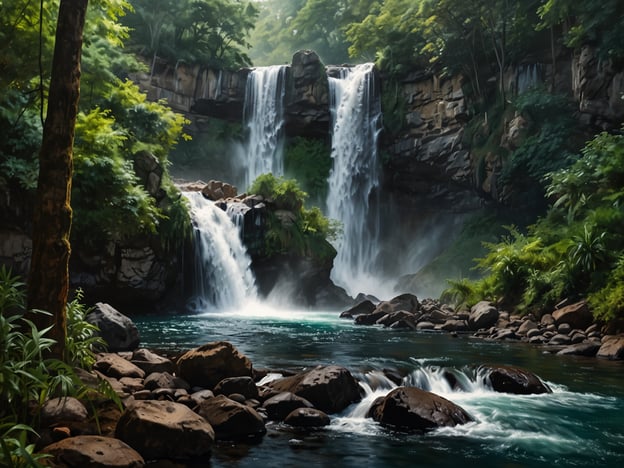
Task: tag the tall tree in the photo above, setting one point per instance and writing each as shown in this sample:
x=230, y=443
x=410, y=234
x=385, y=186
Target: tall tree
x=48, y=283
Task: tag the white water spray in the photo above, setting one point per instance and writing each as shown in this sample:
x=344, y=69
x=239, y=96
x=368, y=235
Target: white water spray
x=354, y=177
x=264, y=119
x=223, y=278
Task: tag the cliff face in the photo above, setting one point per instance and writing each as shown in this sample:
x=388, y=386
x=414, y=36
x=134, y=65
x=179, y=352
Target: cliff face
x=429, y=158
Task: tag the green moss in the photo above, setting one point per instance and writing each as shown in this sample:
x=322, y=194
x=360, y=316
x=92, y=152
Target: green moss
x=308, y=160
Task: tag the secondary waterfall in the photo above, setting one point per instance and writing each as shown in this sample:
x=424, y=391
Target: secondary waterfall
x=223, y=279
x=264, y=120
x=356, y=113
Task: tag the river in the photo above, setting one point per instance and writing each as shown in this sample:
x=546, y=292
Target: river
x=580, y=424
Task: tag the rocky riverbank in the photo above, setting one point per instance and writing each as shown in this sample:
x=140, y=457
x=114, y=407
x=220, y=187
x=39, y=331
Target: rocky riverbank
x=178, y=410
x=175, y=412
x=568, y=330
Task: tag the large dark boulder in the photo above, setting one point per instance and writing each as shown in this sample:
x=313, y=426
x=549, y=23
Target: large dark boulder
x=482, y=315
x=164, y=429
x=242, y=385
x=208, y=364
x=413, y=409
x=281, y=405
x=364, y=307
x=507, y=379
x=307, y=417
x=118, y=330
x=232, y=420
x=612, y=347
x=330, y=388
x=577, y=315
x=93, y=452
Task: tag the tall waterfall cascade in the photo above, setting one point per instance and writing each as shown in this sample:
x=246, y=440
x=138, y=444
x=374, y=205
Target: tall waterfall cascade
x=264, y=120
x=222, y=274
x=356, y=114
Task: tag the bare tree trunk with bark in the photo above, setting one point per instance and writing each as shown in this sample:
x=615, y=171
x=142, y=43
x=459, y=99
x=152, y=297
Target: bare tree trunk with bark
x=48, y=282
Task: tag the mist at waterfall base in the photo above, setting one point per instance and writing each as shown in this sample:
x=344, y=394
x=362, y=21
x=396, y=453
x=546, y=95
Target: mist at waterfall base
x=579, y=424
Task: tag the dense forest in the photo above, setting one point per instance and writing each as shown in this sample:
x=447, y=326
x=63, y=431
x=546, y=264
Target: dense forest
x=573, y=248
x=569, y=245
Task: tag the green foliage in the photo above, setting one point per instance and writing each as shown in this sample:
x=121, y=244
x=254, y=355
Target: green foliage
x=213, y=33
x=28, y=379
x=309, y=161
x=576, y=249
x=596, y=23
x=608, y=302
x=292, y=229
x=82, y=337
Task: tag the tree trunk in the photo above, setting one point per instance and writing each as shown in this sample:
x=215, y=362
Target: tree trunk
x=48, y=282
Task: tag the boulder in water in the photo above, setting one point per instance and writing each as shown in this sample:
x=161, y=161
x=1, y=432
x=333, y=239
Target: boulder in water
x=612, y=347
x=414, y=409
x=307, y=417
x=208, y=364
x=232, y=420
x=507, y=379
x=330, y=388
x=281, y=405
x=364, y=307
x=242, y=385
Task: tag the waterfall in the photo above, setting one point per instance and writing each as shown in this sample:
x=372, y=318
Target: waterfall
x=264, y=120
x=223, y=279
x=528, y=76
x=356, y=113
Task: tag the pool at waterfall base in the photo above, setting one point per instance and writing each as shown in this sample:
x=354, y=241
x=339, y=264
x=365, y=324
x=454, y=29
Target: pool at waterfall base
x=580, y=424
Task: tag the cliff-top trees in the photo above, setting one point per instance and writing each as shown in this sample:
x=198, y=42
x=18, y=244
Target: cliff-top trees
x=209, y=32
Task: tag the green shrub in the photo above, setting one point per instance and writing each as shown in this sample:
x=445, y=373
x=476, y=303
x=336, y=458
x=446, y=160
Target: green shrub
x=309, y=161
x=293, y=229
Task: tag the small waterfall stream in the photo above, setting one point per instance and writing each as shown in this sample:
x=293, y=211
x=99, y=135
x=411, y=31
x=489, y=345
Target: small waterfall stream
x=264, y=119
x=356, y=113
x=222, y=274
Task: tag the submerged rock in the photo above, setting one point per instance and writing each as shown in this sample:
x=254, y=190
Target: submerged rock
x=281, y=405
x=411, y=408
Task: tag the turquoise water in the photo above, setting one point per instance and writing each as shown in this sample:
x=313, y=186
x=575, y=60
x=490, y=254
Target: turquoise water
x=580, y=424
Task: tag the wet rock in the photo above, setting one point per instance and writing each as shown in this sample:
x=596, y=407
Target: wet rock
x=580, y=349
x=364, y=307
x=113, y=365
x=118, y=330
x=514, y=380
x=393, y=317
x=424, y=325
x=151, y=362
x=208, y=364
x=547, y=319
x=410, y=408
x=232, y=420
x=164, y=429
x=454, y=325
x=330, y=388
x=241, y=385
x=307, y=417
x=612, y=347
x=576, y=315
x=559, y=339
x=370, y=319
x=482, y=315
x=281, y=405
x=164, y=380
x=92, y=452
x=526, y=327
x=202, y=395
x=132, y=384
